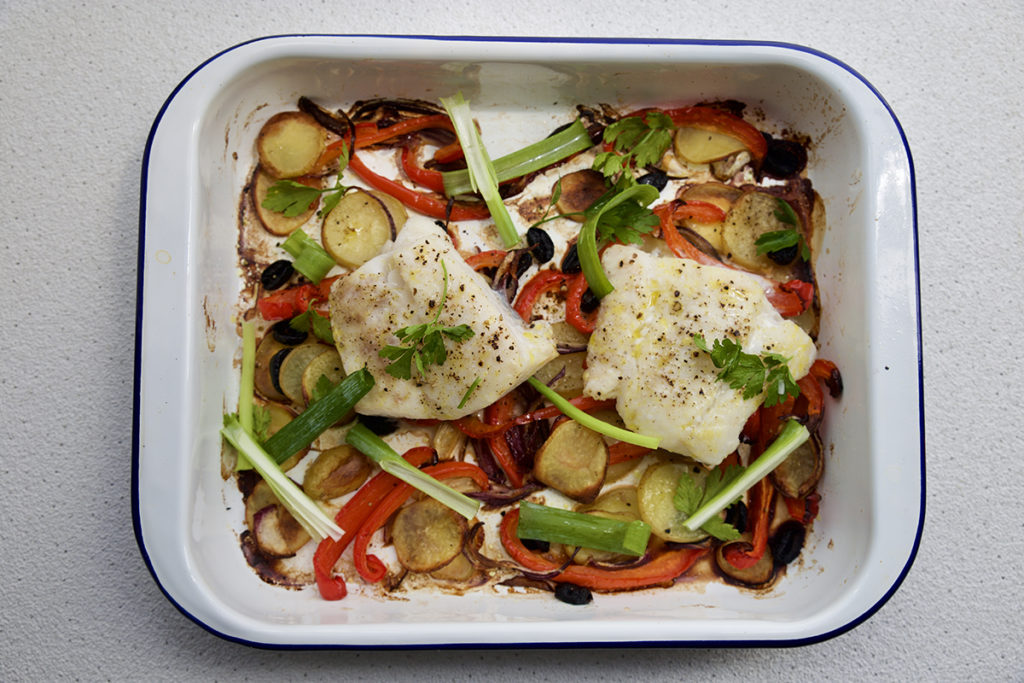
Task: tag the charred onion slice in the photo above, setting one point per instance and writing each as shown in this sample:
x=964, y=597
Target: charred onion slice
x=756, y=576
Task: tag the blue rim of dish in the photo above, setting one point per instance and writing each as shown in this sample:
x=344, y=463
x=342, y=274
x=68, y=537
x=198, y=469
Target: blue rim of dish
x=136, y=522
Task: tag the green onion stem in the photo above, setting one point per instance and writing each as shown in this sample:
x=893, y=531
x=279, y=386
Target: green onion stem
x=591, y=422
x=531, y=158
x=590, y=260
x=791, y=437
x=481, y=171
x=375, y=448
x=315, y=419
x=542, y=523
x=311, y=259
x=246, y=385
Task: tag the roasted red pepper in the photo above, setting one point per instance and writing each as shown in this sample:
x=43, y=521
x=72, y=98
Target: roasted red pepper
x=500, y=413
x=369, y=566
x=543, y=281
x=350, y=518
x=574, y=315
x=288, y=303
x=431, y=180
x=719, y=121
x=368, y=134
x=424, y=203
x=622, y=452
x=486, y=259
x=662, y=569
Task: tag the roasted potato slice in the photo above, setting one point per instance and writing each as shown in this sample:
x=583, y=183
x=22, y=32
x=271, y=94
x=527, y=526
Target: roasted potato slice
x=655, y=497
x=427, y=535
x=751, y=216
x=572, y=461
x=294, y=366
x=799, y=473
x=335, y=472
x=326, y=364
x=570, y=384
x=700, y=146
x=579, y=190
x=459, y=570
x=290, y=144
x=262, y=379
x=275, y=531
x=280, y=415
x=360, y=225
x=274, y=221
x=756, y=576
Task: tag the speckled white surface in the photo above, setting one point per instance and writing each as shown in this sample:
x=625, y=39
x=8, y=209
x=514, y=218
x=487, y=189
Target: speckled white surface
x=79, y=88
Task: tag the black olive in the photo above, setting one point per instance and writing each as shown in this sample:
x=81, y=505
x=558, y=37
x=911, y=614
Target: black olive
x=277, y=274
x=274, y=367
x=784, y=158
x=523, y=263
x=784, y=256
x=381, y=426
x=656, y=178
x=571, y=261
x=540, y=244
x=288, y=335
x=736, y=515
x=589, y=301
x=536, y=546
x=787, y=542
x=572, y=594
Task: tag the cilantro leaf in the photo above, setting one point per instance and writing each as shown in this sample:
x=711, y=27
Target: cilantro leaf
x=637, y=141
x=311, y=321
x=290, y=198
x=690, y=495
x=260, y=422
x=322, y=387
x=749, y=372
x=423, y=343
x=777, y=240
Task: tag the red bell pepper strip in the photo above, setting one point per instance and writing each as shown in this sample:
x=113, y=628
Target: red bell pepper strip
x=662, y=569
x=370, y=134
x=449, y=153
x=431, y=180
x=543, y=281
x=418, y=201
x=369, y=566
x=622, y=452
x=351, y=517
x=574, y=315
x=486, y=259
x=288, y=303
x=789, y=299
x=584, y=403
x=500, y=413
x=746, y=555
x=803, y=510
x=828, y=374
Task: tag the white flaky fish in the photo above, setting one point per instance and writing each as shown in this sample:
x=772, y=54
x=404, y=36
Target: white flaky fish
x=642, y=351
x=401, y=287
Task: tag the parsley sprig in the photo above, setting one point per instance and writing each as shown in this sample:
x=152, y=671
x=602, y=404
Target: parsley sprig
x=777, y=240
x=311, y=321
x=626, y=222
x=423, y=343
x=749, y=372
x=292, y=198
x=691, y=495
x=637, y=142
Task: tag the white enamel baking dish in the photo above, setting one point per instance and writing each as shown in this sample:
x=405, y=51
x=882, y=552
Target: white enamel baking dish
x=197, y=158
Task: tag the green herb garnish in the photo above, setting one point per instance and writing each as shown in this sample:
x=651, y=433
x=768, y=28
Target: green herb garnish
x=777, y=240
x=749, y=372
x=423, y=343
x=260, y=422
x=311, y=321
x=469, y=392
x=691, y=495
x=292, y=198
x=637, y=141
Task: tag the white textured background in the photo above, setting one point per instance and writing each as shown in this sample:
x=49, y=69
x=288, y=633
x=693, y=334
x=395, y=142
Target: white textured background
x=80, y=83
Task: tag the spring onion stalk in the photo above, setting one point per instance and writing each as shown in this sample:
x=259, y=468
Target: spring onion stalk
x=306, y=512
x=543, y=523
x=534, y=157
x=311, y=259
x=591, y=422
x=793, y=435
x=375, y=448
x=245, y=387
x=482, y=176
x=590, y=261
x=315, y=419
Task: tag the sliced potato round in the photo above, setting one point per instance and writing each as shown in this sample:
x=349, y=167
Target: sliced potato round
x=275, y=221
x=326, y=364
x=721, y=195
x=335, y=472
x=700, y=146
x=277, y=533
x=358, y=228
x=579, y=190
x=427, y=535
x=751, y=216
x=394, y=206
x=293, y=367
x=621, y=501
x=290, y=144
x=572, y=461
x=656, y=499
x=799, y=473
x=262, y=380
x=570, y=384
x=459, y=570
x=588, y=555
